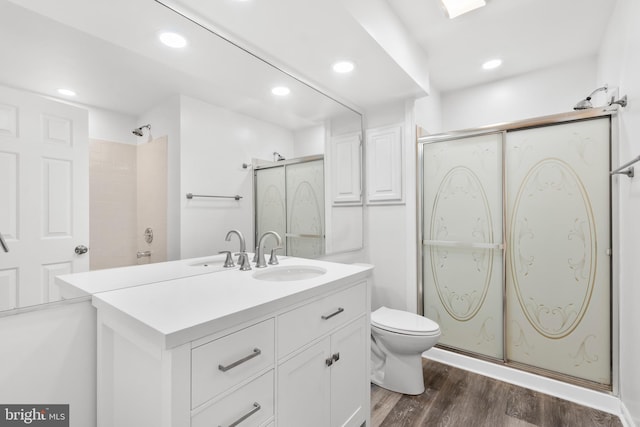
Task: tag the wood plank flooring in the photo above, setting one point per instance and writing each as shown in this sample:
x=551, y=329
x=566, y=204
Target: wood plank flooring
x=458, y=398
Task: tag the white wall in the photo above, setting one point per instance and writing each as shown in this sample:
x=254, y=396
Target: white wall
x=619, y=65
x=215, y=142
x=48, y=356
x=308, y=142
x=390, y=229
x=111, y=126
x=544, y=92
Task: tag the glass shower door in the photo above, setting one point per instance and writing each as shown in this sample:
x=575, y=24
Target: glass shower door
x=305, y=209
x=271, y=205
x=558, y=238
x=463, y=242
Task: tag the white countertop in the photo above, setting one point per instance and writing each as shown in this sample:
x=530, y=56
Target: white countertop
x=172, y=312
x=93, y=282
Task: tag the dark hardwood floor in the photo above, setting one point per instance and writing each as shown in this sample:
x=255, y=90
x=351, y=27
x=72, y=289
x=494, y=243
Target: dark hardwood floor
x=458, y=398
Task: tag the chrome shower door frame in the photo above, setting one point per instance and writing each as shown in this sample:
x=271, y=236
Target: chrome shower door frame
x=614, y=230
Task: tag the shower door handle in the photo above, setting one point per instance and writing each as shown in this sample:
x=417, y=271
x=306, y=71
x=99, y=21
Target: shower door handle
x=453, y=244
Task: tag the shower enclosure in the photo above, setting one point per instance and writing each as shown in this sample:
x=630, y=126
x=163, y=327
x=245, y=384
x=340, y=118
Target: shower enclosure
x=516, y=244
x=289, y=199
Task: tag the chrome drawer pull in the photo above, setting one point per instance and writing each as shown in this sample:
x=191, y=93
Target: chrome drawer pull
x=335, y=313
x=256, y=352
x=256, y=408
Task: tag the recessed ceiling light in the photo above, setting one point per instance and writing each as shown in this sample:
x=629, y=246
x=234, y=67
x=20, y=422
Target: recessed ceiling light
x=491, y=64
x=174, y=40
x=280, y=91
x=66, y=92
x=343, y=67
x=455, y=8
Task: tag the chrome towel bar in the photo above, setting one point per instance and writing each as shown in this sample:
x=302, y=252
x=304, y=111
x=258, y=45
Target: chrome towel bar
x=629, y=172
x=191, y=196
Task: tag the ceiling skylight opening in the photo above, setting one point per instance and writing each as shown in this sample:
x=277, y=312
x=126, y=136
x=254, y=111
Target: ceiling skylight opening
x=173, y=40
x=492, y=64
x=454, y=8
x=66, y=92
x=343, y=67
x=281, y=91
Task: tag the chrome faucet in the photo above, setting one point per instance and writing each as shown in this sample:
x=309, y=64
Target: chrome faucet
x=243, y=260
x=261, y=263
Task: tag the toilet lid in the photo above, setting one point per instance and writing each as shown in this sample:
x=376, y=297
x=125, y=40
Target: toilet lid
x=403, y=322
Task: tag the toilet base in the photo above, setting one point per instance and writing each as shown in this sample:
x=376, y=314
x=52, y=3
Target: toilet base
x=401, y=374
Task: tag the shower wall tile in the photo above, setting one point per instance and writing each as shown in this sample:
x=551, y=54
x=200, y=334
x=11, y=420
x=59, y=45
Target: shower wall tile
x=152, y=198
x=112, y=204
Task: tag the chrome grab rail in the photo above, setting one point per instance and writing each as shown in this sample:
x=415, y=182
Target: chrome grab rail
x=256, y=408
x=256, y=352
x=462, y=245
x=3, y=244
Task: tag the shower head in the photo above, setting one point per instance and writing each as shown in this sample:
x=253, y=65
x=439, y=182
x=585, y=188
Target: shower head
x=138, y=131
x=585, y=104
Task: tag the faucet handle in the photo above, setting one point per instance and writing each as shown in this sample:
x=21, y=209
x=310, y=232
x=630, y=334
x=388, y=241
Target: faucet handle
x=244, y=262
x=273, y=260
x=255, y=255
x=228, y=262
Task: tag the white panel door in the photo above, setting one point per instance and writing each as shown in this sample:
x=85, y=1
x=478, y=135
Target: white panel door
x=345, y=168
x=462, y=242
x=44, y=185
x=384, y=165
x=558, y=236
x=304, y=388
x=349, y=376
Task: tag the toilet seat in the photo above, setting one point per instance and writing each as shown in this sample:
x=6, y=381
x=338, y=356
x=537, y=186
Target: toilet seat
x=403, y=322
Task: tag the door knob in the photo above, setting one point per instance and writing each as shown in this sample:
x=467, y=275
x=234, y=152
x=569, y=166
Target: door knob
x=81, y=249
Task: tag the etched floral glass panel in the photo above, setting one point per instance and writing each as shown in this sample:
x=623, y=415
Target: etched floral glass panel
x=305, y=209
x=270, y=205
x=557, y=266
x=462, y=242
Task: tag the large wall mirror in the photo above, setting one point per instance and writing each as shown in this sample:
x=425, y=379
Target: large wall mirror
x=100, y=179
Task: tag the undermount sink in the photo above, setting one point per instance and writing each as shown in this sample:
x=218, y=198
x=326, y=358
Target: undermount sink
x=289, y=273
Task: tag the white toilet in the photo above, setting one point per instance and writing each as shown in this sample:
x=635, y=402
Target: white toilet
x=398, y=339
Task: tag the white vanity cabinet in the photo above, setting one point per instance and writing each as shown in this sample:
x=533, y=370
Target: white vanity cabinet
x=299, y=358
x=324, y=381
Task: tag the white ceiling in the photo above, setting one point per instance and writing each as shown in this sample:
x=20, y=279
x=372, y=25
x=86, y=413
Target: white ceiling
x=307, y=36
x=124, y=68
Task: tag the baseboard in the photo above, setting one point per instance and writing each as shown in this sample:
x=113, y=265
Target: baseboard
x=625, y=417
x=595, y=399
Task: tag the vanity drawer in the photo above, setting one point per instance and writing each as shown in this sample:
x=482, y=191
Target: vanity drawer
x=225, y=362
x=253, y=401
x=304, y=324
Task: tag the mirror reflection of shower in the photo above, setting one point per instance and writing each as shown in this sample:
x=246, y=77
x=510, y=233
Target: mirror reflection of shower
x=585, y=104
x=139, y=131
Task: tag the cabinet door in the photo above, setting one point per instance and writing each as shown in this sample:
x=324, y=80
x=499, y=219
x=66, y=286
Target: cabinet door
x=304, y=388
x=349, y=383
